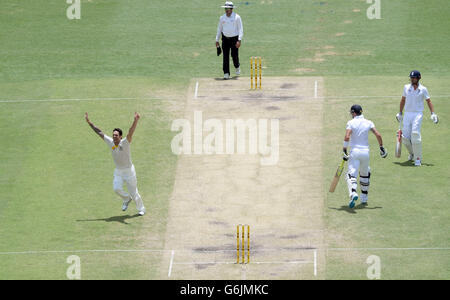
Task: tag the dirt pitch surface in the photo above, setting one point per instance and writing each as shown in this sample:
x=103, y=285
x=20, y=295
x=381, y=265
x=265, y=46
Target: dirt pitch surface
x=283, y=203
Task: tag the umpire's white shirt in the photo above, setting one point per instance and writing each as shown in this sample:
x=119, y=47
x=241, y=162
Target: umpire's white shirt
x=415, y=98
x=120, y=153
x=230, y=26
x=360, y=128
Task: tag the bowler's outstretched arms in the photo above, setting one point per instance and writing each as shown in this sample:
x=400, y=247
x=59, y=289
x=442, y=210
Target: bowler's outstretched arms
x=96, y=129
x=133, y=127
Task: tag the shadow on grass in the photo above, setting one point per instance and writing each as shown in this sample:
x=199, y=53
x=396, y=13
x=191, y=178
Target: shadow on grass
x=118, y=219
x=410, y=164
x=354, y=209
x=231, y=78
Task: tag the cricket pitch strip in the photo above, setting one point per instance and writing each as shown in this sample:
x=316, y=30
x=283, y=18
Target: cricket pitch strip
x=283, y=203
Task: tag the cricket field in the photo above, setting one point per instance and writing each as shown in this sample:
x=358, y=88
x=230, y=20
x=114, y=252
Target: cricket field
x=58, y=209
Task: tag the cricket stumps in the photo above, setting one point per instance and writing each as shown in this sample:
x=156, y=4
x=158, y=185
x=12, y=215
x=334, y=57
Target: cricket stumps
x=255, y=72
x=242, y=231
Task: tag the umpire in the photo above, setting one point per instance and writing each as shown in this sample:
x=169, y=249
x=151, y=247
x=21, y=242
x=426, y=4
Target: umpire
x=231, y=30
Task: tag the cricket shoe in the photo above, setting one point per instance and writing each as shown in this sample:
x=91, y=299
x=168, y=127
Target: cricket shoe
x=125, y=204
x=238, y=71
x=142, y=212
x=226, y=76
x=411, y=157
x=353, y=198
x=364, y=198
x=417, y=163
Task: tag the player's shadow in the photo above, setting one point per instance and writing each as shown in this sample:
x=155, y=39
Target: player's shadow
x=410, y=164
x=354, y=209
x=119, y=219
x=231, y=78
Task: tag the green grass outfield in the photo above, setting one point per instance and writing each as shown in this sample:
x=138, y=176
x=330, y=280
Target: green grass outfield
x=56, y=175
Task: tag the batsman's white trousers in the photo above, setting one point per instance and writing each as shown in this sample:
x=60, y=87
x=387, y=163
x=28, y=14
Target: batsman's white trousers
x=127, y=176
x=412, y=122
x=359, y=160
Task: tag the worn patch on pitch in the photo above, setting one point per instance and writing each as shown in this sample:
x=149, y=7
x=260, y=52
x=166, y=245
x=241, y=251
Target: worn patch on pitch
x=282, y=203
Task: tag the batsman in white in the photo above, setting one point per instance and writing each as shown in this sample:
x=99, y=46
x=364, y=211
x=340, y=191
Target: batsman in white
x=412, y=102
x=357, y=136
x=124, y=172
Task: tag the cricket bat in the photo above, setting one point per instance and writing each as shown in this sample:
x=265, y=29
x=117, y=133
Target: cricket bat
x=398, y=145
x=337, y=176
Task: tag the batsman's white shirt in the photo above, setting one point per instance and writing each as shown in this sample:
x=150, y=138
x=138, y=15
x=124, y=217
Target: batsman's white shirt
x=360, y=132
x=412, y=121
x=120, y=153
x=359, y=144
x=415, y=97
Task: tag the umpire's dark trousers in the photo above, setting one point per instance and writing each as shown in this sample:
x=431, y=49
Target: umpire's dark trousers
x=227, y=44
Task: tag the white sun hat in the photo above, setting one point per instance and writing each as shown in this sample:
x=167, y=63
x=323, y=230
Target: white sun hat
x=228, y=4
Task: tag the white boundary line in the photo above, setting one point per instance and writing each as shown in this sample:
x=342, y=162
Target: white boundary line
x=213, y=251
x=81, y=251
x=171, y=263
x=251, y=263
x=388, y=249
x=305, y=89
x=344, y=97
x=315, y=89
x=141, y=251
x=205, y=263
x=71, y=99
x=160, y=98
x=196, y=90
x=281, y=262
x=315, y=262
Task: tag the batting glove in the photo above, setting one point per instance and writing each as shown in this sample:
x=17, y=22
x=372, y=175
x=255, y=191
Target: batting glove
x=434, y=118
x=399, y=117
x=345, y=156
x=383, y=152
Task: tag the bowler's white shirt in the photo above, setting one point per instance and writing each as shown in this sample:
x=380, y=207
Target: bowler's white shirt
x=415, y=98
x=360, y=132
x=120, y=153
x=230, y=26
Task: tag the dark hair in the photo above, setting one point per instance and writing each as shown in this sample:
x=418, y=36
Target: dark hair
x=118, y=130
x=357, y=109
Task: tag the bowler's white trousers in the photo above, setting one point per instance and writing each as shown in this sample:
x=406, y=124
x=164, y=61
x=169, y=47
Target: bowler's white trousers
x=127, y=176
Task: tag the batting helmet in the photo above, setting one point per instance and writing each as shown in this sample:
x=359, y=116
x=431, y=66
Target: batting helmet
x=415, y=74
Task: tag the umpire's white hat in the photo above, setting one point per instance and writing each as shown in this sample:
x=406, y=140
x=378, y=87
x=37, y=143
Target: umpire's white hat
x=228, y=4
